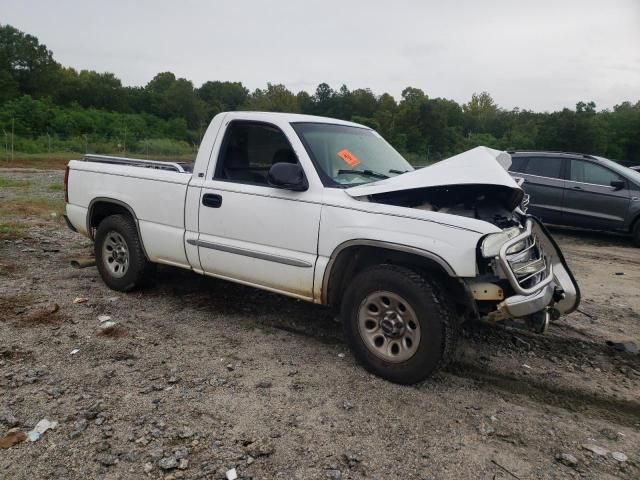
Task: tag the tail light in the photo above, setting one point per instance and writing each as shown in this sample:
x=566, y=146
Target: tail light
x=66, y=185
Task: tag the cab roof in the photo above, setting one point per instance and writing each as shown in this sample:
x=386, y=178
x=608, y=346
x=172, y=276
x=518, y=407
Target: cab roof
x=289, y=117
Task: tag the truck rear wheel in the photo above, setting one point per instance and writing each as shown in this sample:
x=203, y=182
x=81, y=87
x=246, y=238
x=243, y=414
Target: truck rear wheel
x=399, y=324
x=120, y=258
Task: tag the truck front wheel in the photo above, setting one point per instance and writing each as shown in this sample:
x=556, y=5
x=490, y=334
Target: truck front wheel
x=399, y=324
x=119, y=255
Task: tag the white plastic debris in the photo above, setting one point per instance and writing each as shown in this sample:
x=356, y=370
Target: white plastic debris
x=232, y=474
x=80, y=300
x=74, y=351
x=104, y=318
x=107, y=325
x=619, y=456
x=41, y=427
x=341, y=355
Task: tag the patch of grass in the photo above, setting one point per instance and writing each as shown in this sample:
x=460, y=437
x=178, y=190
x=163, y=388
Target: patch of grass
x=49, y=161
x=30, y=207
x=11, y=183
x=56, y=187
x=11, y=230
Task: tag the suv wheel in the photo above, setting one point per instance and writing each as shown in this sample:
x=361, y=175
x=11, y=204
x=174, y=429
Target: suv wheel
x=119, y=256
x=399, y=324
x=636, y=233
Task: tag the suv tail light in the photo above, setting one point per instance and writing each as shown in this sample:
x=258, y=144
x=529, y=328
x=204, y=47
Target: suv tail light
x=66, y=185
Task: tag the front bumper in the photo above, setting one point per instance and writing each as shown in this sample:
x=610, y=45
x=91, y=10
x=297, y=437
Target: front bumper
x=552, y=288
x=521, y=306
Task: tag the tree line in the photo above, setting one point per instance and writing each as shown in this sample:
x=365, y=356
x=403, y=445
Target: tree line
x=42, y=102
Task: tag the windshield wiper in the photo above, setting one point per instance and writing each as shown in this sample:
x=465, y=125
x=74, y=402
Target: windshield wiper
x=368, y=173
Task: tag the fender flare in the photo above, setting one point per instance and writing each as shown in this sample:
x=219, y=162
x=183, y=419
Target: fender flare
x=120, y=203
x=379, y=244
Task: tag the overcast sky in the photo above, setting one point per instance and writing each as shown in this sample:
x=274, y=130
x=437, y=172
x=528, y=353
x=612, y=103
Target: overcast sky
x=538, y=54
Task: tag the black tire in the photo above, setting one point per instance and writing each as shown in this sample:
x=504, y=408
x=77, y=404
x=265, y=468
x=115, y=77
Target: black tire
x=436, y=314
x=636, y=233
x=139, y=270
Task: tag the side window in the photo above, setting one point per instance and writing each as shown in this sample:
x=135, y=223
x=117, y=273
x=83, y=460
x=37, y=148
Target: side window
x=518, y=164
x=587, y=172
x=248, y=151
x=550, y=167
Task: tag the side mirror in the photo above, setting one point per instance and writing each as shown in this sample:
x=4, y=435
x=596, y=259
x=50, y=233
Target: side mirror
x=288, y=176
x=618, y=184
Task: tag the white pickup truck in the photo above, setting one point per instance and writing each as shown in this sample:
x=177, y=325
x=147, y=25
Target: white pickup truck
x=327, y=211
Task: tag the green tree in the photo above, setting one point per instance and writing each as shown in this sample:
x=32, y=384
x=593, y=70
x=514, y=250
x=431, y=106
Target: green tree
x=175, y=97
x=409, y=125
x=222, y=96
x=28, y=67
x=275, y=98
x=480, y=113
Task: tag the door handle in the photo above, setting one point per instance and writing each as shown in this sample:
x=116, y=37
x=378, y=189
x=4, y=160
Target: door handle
x=212, y=200
x=578, y=188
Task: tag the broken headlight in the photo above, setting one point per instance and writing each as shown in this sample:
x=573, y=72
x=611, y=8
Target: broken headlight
x=492, y=243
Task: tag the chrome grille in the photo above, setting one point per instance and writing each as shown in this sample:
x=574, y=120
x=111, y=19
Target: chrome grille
x=527, y=268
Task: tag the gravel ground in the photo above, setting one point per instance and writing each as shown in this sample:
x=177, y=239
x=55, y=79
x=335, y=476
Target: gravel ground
x=199, y=376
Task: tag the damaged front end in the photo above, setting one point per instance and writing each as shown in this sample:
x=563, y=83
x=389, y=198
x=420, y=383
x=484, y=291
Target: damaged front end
x=533, y=280
x=521, y=273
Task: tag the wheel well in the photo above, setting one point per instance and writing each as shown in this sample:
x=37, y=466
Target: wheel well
x=102, y=209
x=354, y=259
x=635, y=222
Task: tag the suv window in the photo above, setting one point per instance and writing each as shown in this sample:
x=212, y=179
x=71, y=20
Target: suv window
x=248, y=151
x=550, y=167
x=518, y=164
x=588, y=172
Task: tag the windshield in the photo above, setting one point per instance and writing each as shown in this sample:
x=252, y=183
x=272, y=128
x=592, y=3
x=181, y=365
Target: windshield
x=347, y=156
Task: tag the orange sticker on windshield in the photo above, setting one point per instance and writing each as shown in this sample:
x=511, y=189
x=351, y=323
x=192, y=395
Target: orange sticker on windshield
x=348, y=157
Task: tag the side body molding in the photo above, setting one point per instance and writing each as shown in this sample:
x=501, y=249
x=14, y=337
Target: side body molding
x=379, y=244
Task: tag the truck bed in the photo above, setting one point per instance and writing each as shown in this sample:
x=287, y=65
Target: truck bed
x=154, y=190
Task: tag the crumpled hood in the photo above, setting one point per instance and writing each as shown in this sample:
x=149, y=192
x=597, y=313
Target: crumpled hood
x=478, y=166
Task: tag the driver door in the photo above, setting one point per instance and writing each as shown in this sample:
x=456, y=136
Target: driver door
x=249, y=231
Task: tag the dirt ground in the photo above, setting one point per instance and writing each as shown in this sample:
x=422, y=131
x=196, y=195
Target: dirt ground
x=200, y=376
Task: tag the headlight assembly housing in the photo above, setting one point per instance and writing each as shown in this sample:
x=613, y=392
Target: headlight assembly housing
x=492, y=243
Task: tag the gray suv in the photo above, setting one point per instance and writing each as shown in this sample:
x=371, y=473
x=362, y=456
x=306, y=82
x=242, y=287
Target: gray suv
x=580, y=191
